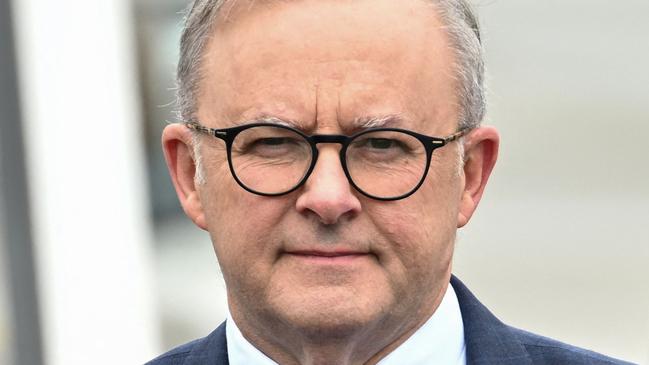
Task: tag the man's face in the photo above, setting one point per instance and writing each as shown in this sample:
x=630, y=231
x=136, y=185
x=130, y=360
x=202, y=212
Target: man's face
x=326, y=258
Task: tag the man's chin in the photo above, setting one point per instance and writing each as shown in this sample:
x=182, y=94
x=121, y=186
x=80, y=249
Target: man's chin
x=331, y=313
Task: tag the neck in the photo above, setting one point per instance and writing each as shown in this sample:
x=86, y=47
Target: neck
x=366, y=344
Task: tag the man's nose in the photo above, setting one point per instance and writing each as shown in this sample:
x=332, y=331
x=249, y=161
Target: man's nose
x=327, y=192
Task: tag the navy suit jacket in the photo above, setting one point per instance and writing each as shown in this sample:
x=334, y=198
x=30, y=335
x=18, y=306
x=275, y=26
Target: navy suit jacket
x=488, y=342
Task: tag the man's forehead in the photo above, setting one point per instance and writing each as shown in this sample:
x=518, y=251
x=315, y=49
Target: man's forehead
x=374, y=58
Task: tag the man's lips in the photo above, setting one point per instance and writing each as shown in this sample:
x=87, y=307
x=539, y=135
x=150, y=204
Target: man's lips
x=329, y=257
x=326, y=253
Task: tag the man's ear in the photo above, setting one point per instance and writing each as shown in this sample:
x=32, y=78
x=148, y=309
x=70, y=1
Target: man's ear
x=177, y=144
x=480, y=154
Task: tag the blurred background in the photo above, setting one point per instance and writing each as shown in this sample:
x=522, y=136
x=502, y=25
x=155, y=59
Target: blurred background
x=99, y=265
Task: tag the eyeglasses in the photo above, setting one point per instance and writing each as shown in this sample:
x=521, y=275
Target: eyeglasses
x=381, y=163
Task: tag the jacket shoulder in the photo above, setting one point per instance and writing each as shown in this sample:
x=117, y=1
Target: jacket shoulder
x=208, y=350
x=544, y=350
x=491, y=342
x=175, y=356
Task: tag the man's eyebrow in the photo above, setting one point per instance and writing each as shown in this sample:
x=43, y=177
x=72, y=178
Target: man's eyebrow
x=378, y=121
x=264, y=118
x=359, y=123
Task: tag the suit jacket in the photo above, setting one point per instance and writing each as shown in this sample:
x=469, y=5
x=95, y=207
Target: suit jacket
x=488, y=342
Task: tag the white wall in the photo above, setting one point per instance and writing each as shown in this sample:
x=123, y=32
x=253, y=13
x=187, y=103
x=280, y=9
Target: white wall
x=560, y=244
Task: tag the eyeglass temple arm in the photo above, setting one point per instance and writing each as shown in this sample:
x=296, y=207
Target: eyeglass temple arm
x=199, y=128
x=457, y=135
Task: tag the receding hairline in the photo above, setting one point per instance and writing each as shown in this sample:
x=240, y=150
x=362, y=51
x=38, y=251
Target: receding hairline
x=229, y=11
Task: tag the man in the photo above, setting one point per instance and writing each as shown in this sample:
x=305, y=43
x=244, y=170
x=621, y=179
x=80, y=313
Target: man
x=332, y=149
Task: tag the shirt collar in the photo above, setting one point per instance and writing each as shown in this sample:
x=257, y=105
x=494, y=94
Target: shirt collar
x=439, y=341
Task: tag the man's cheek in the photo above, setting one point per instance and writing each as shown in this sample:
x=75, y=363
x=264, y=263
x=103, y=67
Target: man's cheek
x=399, y=227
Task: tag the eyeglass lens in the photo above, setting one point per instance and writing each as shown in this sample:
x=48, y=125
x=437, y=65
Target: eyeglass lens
x=386, y=163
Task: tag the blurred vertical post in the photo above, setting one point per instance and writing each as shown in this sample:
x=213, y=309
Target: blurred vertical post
x=85, y=165
x=16, y=247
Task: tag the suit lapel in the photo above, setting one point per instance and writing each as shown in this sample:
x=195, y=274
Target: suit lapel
x=488, y=340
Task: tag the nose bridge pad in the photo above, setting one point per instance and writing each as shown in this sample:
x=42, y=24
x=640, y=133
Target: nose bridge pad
x=320, y=160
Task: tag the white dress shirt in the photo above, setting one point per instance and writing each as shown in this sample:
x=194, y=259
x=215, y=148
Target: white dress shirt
x=439, y=341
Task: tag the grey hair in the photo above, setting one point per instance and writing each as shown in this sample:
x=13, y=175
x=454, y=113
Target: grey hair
x=460, y=21
x=463, y=29
x=199, y=173
x=199, y=21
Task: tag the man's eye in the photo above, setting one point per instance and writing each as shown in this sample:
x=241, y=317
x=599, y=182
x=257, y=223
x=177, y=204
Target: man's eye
x=277, y=141
x=381, y=143
x=272, y=146
x=378, y=143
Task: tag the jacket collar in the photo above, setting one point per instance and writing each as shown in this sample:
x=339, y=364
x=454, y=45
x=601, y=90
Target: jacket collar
x=488, y=340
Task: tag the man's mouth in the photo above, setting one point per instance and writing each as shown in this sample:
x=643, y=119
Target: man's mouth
x=327, y=257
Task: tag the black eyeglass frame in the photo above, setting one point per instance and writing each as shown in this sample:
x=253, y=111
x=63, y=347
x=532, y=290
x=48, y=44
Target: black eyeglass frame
x=229, y=134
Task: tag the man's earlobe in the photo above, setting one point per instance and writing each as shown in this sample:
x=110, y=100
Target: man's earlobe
x=177, y=145
x=481, y=153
